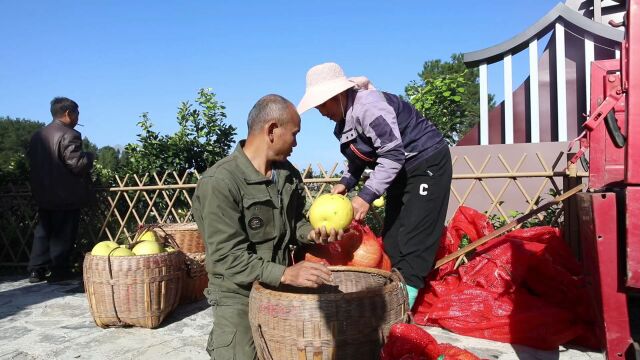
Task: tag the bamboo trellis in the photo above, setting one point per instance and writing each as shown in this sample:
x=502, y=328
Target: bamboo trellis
x=484, y=183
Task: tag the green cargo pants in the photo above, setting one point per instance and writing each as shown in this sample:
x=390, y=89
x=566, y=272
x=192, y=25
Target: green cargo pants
x=230, y=337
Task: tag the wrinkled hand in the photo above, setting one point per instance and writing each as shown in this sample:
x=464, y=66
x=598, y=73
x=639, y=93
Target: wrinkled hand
x=307, y=274
x=322, y=236
x=360, y=208
x=339, y=189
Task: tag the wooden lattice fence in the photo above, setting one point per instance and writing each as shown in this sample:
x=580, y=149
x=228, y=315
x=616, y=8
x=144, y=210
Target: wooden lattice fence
x=18, y=218
x=498, y=180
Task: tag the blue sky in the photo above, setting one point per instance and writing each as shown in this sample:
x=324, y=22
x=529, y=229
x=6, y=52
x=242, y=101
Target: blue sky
x=118, y=59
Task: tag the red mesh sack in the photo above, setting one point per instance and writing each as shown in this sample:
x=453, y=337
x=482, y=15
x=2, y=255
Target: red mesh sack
x=369, y=252
x=338, y=252
x=411, y=342
x=385, y=263
x=329, y=254
x=358, y=247
x=522, y=288
x=466, y=221
x=451, y=352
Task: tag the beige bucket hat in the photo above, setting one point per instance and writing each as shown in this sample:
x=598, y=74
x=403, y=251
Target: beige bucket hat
x=324, y=81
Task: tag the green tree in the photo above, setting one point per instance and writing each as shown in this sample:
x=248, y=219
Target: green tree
x=202, y=139
x=310, y=174
x=16, y=134
x=109, y=158
x=87, y=145
x=448, y=94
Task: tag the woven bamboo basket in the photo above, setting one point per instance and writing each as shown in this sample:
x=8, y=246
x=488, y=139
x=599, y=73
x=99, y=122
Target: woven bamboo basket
x=186, y=238
x=195, y=279
x=186, y=235
x=133, y=290
x=348, y=320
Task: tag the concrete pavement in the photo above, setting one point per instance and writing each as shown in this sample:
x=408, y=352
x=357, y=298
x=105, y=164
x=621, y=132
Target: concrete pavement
x=42, y=321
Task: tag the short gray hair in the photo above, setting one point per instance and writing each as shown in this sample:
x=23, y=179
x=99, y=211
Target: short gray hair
x=269, y=107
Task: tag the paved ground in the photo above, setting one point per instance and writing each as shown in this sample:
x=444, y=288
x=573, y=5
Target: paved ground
x=44, y=321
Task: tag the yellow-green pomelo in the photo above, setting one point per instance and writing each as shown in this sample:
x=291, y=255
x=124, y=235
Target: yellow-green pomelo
x=332, y=211
x=148, y=248
x=122, y=252
x=379, y=202
x=103, y=248
x=148, y=235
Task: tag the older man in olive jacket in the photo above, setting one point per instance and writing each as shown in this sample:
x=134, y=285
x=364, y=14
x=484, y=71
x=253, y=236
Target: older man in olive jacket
x=60, y=186
x=249, y=209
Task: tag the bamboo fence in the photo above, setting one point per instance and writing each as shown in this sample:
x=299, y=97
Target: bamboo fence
x=495, y=183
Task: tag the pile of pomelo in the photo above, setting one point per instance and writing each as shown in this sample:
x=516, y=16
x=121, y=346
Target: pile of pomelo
x=148, y=243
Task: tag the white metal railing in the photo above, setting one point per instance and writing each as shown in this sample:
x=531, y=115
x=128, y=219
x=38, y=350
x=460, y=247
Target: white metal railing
x=561, y=82
x=508, y=100
x=556, y=22
x=533, y=93
x=484, y=105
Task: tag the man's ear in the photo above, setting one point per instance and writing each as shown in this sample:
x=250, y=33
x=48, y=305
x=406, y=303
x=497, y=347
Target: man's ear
x=271, y=129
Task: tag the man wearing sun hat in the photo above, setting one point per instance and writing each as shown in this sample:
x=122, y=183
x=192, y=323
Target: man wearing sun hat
x=409, y=158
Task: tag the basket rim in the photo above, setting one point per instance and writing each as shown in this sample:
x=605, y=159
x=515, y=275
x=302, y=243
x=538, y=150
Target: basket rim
x=258, y=288
x=188, y=226
x=166, y=253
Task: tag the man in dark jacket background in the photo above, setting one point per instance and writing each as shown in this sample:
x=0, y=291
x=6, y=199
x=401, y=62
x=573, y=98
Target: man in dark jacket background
x=60, y=186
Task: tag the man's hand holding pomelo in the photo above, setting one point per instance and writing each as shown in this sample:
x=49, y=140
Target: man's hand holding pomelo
x=329, y=215
x=322, y=236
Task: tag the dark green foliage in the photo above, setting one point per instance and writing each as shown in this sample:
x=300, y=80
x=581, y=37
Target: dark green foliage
x=88, y=146
x=16, y=133
x=464, y=241
x=109, y=162
x=375, y=219
x=109, y=158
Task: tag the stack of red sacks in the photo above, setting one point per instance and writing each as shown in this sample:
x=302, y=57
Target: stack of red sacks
x=411, y=342
x=524, y=287
x=358, y=247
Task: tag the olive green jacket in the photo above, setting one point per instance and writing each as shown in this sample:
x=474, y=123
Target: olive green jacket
x=247, y=223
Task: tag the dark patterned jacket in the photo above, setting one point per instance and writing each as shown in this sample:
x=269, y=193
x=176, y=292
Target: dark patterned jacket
x=59, y=168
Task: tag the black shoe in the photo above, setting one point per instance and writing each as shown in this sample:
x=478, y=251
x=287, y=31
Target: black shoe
x=57, y=277
x=37, y=275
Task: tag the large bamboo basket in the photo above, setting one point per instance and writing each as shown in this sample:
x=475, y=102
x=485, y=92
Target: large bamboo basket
x=195, y=280
x=186, y=235
x=186, y=238
x=133, y=290
x=347, y=321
